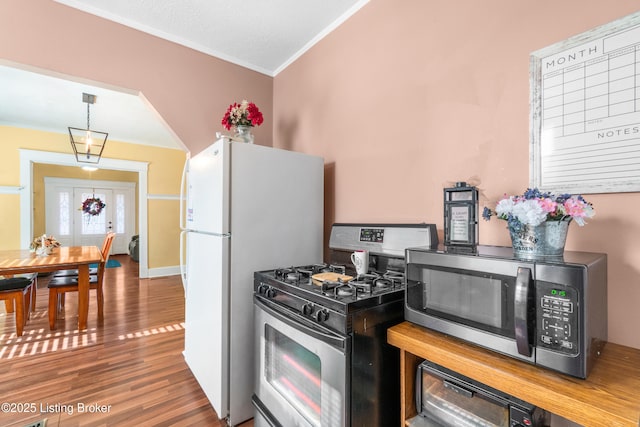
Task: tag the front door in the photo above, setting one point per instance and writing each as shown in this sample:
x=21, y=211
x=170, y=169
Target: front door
x=89, y=230
x=65, y=220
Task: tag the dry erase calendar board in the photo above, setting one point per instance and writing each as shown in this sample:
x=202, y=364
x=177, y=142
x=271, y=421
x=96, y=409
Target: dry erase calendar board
x=585, y=111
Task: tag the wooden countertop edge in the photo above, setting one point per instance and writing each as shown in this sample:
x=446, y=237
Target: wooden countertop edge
x=591, y=402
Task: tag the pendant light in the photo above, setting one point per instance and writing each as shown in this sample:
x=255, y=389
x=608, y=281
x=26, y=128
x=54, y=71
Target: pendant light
x=87, y=144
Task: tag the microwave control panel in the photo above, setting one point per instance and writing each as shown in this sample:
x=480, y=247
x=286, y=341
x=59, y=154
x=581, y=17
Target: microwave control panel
x=557, y=320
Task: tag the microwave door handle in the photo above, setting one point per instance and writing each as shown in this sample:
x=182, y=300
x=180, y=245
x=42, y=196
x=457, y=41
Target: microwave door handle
x=521, y=311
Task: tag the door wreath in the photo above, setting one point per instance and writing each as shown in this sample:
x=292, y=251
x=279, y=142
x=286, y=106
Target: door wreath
x=93, y=206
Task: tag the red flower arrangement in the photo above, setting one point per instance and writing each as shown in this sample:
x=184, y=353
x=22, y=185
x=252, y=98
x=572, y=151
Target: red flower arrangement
x=243, y=114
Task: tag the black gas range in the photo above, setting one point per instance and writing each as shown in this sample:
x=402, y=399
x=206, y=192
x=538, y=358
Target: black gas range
x=329, y=301
x=329, y=311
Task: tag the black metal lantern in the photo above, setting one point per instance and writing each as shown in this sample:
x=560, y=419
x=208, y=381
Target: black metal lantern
x=461, y=217
x=87, y=144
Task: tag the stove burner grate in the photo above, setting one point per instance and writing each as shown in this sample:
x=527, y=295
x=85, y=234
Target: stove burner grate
x=304, y=273
x=360, y=287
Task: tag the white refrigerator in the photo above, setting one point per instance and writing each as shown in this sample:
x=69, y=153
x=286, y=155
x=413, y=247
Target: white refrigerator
x=247, y=208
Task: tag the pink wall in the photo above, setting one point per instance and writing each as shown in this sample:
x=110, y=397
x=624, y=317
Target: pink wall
x=190, y=90
x=407, y=97
x=429, y=92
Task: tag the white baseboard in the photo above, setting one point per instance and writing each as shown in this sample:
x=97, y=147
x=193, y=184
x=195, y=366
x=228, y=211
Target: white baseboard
x=164, y=271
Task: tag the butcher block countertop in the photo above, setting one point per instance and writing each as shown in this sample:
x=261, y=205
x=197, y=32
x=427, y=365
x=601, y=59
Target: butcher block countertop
x=609, y=397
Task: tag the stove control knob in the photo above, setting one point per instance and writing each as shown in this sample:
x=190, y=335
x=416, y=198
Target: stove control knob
x=270, y=293
x=307, y=309
x=262, y=289
x=322, y=315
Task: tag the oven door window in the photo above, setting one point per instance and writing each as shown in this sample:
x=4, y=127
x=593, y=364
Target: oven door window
x=295, y=373
x=480, y=300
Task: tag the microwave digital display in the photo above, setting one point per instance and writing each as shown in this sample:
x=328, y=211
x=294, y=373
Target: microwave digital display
x=373, y=235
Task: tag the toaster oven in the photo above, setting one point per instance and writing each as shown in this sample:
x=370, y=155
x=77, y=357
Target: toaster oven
x=447, y=399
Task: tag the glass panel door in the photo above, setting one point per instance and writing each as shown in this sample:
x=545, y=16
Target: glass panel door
x=295, y=373
x=474, y=298
x=450, y=404
x=91, y=229
x=65, y=220
x=301, y=369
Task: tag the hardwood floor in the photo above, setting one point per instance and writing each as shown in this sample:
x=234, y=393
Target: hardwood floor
x=128, y=371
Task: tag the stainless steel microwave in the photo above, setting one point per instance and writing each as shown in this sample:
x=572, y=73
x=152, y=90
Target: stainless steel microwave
x=548, y=312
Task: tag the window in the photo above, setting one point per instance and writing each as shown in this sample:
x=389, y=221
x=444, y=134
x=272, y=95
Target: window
x=64, y=222
x=120, y=213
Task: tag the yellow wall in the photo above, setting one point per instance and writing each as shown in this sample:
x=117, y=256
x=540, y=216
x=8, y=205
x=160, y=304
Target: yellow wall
x=164, y=233
x=164, y=173
x=9, y=219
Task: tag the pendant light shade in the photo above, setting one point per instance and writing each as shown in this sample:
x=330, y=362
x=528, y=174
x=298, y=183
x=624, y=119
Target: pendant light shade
x=87, y=144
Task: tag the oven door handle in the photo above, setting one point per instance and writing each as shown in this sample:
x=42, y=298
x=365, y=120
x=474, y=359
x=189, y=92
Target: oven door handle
x=291, y=319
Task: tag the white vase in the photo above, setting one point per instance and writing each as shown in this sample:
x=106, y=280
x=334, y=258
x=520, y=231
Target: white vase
x=43, y=250
x=244, y=134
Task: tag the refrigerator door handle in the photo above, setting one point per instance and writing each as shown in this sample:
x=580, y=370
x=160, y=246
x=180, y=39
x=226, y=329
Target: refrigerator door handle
x=183, y=180
x=224, y=235
x=183, y=261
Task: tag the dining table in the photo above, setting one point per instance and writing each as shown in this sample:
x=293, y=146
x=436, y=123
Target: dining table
x=22, y=261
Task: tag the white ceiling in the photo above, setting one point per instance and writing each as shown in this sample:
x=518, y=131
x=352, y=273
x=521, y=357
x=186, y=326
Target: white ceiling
x=262, y=35
x=32, y=100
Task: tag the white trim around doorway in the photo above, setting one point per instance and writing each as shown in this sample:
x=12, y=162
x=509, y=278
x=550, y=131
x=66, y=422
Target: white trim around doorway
x=29, y=157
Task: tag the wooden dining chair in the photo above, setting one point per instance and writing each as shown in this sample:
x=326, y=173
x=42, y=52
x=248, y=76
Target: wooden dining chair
x=19, y=296
x=59, y=286
x=9, y=305
x=92, y=270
